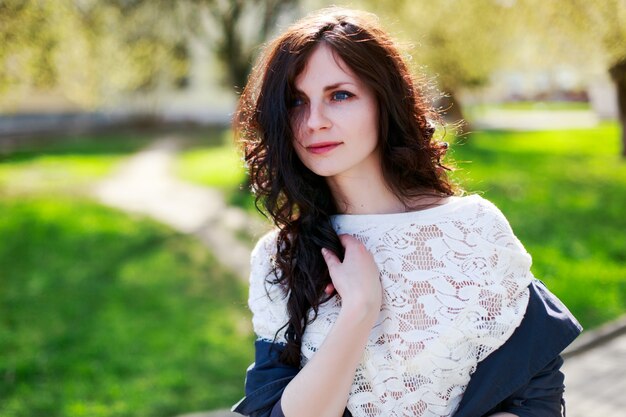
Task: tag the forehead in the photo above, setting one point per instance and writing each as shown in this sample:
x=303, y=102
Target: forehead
x=323, y=68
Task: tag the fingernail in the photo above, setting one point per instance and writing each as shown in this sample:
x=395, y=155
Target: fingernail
x=324, y=252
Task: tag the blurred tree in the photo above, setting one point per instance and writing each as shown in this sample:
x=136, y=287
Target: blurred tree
x=463, y=42
x=585, y=32
x=22, y=26
x=460, y=42
x=92, y=50
x=235, y=29
x=89, y=50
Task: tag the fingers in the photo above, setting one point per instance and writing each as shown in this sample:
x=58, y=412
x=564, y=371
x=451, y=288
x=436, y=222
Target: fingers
x=347, y=240
x=330, y=258
x=352, y=245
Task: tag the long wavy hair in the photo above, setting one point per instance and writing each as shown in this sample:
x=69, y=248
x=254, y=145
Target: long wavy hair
x=298, y=201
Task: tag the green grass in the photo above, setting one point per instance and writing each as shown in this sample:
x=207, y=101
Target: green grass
x=473, y=111
x=564, y=193
x=102, y=313
x=215, y=162
x=67, y=165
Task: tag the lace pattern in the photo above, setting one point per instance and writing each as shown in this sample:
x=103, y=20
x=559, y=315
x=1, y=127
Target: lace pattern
x=454, y=289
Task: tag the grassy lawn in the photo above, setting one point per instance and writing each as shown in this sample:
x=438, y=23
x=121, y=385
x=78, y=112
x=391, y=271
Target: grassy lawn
x=215, y=162
x=66, y=165
x=564, y=193
x=474, y=110
x=102, y=313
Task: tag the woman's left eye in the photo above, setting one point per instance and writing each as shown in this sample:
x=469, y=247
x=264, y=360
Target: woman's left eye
x=341, y=95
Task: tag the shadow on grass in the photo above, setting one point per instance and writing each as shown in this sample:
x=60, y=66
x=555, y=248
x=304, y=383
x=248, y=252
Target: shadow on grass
x=102, y=314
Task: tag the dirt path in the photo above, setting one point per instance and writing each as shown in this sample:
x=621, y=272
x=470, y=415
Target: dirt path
x=145, y=184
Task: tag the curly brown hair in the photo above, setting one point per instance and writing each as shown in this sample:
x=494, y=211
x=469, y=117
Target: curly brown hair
x=298, y=201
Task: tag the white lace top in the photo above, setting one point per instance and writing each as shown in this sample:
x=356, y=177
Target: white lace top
x=454, y=283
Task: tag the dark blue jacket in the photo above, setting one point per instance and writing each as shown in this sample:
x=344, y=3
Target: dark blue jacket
x=522, y=377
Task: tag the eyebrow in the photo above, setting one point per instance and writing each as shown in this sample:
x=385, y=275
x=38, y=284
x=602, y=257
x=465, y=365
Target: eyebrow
x=332, y=86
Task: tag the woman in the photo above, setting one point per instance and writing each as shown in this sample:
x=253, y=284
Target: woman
x=382, y=291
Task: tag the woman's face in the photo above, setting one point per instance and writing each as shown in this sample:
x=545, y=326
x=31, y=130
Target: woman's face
x=335, y=118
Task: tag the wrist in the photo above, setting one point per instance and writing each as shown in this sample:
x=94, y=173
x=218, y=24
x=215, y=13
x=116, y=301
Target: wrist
x=360, y=312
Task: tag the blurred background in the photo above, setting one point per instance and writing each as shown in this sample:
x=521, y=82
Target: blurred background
x=125, y=222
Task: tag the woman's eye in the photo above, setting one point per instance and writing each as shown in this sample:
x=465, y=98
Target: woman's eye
x=342, y=95
x=297, y=101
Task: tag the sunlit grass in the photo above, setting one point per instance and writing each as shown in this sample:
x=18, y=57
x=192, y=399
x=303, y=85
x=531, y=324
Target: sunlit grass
x=102, y=313
x=53, y=173
x=482, y=108
x=564, y=193
x=217, y=163
x=68, y=164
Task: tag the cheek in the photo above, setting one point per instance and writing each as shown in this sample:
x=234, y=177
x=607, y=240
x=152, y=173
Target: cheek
x=368, y=124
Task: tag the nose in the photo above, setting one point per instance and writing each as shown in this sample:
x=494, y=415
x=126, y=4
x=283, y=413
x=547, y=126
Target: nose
x=318, y=118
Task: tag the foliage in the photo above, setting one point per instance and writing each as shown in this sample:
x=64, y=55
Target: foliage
x=96, y=51
x=235, y=29
x=563, y=193
x=441, y=30
x=459, y=42
x=582, y=32
x=589, y=32
x=90, y=51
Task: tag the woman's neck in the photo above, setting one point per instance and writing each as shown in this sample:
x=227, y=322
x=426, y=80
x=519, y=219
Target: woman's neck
x=364, y=194
x=370, y=194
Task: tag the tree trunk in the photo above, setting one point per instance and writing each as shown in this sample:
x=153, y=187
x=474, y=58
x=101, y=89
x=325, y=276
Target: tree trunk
x=618, y=74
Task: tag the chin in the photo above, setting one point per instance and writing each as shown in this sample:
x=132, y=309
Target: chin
x=325, y=171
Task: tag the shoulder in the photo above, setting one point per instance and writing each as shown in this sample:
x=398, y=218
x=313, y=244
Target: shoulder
x=491, y=223
x=469, y=208
x=485, y=230
x=479, y=207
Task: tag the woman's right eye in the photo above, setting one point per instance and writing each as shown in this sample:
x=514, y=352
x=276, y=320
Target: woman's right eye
x=297, y=101
x=342, y=95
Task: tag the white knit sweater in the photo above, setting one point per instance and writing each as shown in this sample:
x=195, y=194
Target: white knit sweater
x=454, y=283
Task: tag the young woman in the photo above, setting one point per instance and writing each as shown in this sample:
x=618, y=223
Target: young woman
x=382, y=291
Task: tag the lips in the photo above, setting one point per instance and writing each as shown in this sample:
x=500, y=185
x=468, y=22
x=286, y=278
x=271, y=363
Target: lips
x=322, y=147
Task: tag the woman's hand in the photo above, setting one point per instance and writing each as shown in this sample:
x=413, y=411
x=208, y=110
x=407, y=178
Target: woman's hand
x=356, y=279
